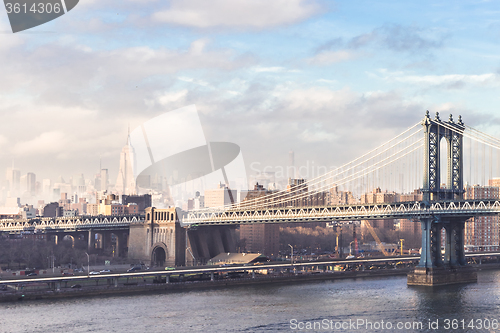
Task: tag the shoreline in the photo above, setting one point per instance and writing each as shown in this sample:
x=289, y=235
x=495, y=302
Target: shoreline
x=153, y=288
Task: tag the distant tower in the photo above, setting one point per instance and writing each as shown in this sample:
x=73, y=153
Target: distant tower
x=13, y=176
x=125, y=184
x=104, y=179
x=291, y=165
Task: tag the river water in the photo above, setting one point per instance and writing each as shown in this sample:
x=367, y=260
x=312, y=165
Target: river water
x=354, y=305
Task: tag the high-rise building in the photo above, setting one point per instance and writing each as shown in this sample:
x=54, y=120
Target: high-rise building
x=494, y=182
x=104, y=180
x=142, y=201
x=481, y=233
x=220, y=197
x=125, y=183
x=13, y=177
x=377, y=196
x=261, y=238
x=31, y=183
x=28, y=184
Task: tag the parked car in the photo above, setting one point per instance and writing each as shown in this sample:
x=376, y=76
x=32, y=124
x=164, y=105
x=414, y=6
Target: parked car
x=76, y=286
x=94, y=273
x=32, y=274
x=67, y=274
x=169, y=268
x=134, y=269
x=105, y=271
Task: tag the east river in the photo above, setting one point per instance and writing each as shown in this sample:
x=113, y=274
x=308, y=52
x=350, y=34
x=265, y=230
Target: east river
x=355, y=305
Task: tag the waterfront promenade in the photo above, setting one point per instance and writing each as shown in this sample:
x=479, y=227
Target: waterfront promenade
x=208, y=277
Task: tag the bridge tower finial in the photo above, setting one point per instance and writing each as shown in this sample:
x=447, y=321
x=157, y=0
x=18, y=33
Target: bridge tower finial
x=460, y=122
x=451, y=118
x=437, y=116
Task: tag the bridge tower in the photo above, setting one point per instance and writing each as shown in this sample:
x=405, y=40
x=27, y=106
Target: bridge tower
x=435, y=268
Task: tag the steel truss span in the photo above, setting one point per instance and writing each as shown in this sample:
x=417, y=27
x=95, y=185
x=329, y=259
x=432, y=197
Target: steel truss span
x=69, y=223
x=402, y=210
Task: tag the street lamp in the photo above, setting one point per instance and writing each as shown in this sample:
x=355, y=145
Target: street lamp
x=291, y=247
x=88, y=264
x=350, y=248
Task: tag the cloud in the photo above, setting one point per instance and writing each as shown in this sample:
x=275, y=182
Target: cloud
x=274, y=69
x=75, y=102
x=395, y=37
x=446, y=81
x=407, y=38
x=332, y=57
x=318, y=123
x=257, y=14
x=172, y=100
x=45, y=143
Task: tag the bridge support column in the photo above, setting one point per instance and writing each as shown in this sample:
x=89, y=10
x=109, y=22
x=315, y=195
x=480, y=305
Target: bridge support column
x=167, y=279
x=91, y=241
x=432, y=271
x=212, y=276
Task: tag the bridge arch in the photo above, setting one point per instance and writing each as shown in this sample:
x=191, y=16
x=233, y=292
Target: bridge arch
x=70, y=238
x=159, y=254
x=444, y=161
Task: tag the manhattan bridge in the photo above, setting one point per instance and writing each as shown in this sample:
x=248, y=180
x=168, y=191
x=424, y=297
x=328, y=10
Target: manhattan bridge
x=436, y=156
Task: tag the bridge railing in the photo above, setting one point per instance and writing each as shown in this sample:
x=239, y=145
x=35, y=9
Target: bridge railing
x=407, y=210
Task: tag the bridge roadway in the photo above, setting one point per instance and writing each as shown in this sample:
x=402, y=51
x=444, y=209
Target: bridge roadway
x=232, y=268
x=400, y=210
x=75, y=223
x=213, y=216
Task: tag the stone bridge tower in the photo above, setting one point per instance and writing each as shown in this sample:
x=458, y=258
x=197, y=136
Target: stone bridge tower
x=159, y=240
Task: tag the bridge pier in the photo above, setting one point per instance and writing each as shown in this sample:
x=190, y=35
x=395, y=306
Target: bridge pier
x=432, y=270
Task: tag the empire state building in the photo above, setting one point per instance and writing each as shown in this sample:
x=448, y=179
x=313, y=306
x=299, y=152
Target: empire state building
x=125, y=184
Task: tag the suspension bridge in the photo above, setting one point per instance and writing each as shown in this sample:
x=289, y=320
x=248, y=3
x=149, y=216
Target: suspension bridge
x=435, y=158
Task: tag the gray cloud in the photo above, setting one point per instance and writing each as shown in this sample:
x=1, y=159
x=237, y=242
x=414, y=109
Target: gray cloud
x=257, y=14
x=407, y=38
x=394, y=37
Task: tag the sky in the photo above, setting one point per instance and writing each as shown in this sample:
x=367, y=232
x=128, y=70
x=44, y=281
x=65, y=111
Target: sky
x=329, y=80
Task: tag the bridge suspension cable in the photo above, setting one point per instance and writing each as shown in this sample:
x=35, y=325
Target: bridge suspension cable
x=347, y=173
x=356, y=171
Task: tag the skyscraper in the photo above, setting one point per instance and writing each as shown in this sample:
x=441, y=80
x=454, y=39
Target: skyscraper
x=13, y=176
x=104, y=179
x=125, y=183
